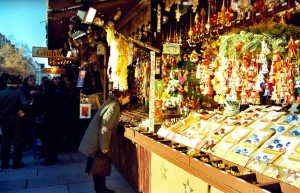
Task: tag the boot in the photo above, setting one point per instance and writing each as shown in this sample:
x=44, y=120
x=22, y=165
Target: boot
x=100, y=186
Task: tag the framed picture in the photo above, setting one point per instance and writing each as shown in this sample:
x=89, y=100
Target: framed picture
x=80, y=79
x=85, y=111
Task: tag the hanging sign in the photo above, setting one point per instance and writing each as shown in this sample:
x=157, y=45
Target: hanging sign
x=171, y=48
x=42, y=52
x=53, y=71
x=100, y=49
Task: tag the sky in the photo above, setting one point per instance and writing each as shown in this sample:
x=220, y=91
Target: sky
x=24, y=21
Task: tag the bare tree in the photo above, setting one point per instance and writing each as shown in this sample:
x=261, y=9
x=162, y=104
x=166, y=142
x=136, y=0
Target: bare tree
x=14, y=61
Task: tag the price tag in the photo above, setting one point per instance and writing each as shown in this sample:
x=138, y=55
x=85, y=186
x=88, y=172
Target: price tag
x=230, y=156
x=284, y=4
x=241, y=159
x=257, y=14
x=269, y=10
x=238, y=21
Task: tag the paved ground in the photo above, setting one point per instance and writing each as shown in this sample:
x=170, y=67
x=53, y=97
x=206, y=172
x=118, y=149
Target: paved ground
x=66, y=176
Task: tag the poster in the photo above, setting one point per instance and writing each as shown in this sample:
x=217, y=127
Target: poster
x=80, y=79
x=85, y=111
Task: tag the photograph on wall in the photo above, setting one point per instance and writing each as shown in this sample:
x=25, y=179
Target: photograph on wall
x=85, y=111
x=80, y=79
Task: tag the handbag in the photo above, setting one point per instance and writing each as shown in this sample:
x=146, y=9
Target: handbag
x=101, y=165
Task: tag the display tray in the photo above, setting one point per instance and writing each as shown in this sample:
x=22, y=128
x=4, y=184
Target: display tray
x=258, y=137
x=280, y=142
x=294, y=131
x=209, y=166
x=273, y=116
x=279, y=127
x=276, y=172
x=258, y=124
x=293, y=178
x=223, y=130
x=238, y=134
x=222, y=147
x=256, y=165
x=266, y=155
x=289, y=162
x=217, y=118
x=291, y=118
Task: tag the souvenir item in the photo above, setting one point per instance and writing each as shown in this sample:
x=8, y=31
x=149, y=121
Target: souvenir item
x=294, y=131
x=276, y=172
x=223, y=130
x=256, y=165
x=279, y=127
x=272, y=116
x=288, y=162
x=258, y=137
x=293, y=178
x=266, y=155
x=280, y=142
x=258, y=124
x=209, y=144
x=238, y=134
x=243, y=149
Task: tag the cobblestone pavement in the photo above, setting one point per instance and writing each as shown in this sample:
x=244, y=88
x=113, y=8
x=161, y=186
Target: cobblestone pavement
x=65, y=176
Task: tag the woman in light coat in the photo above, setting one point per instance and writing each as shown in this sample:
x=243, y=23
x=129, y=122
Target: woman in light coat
x=100, y=131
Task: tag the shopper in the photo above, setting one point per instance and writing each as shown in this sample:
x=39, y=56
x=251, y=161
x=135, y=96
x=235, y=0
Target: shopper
x=3, y=81
x=64, y=116
x=46, y=105
x=13, y=105
x=100, y=132
x=30, y=90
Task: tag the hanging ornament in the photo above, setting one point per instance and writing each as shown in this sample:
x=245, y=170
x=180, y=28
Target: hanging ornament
x=194, y=5
x=222, y=15
x=198, y=72
x=264, y=48
x=178, y=13
x=292, y=48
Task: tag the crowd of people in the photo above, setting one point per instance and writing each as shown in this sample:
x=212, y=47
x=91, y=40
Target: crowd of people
x=29, y=111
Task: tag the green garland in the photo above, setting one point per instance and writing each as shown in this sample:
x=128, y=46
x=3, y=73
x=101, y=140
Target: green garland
x=276, y=35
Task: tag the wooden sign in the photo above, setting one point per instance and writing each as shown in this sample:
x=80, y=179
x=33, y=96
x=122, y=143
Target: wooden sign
x=171, y=48
x=42, y=52
x=53, y=71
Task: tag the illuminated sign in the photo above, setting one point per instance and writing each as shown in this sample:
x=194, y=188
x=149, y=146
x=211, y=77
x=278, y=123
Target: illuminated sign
x=53, y=71
x=42, y=52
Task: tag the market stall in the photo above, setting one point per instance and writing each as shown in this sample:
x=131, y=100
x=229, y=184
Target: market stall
x=215, y=104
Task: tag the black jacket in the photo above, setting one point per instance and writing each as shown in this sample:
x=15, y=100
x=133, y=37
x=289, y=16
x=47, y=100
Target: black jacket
x=12, y=100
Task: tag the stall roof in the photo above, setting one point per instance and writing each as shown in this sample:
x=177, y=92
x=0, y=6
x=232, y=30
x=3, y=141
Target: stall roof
x=61, y=13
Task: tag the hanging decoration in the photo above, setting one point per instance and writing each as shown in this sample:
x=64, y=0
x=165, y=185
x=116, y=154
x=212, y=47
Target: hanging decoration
x=119, y=59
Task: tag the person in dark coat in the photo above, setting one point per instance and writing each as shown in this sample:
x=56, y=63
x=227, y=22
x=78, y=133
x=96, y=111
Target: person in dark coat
x=64, y=115
x=47, y=105
x=100, y=131
x=13, y=106
x=3, y=81
x=30, y=90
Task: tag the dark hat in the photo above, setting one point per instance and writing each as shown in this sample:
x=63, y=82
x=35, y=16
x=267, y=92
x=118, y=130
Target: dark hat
x=13, y=79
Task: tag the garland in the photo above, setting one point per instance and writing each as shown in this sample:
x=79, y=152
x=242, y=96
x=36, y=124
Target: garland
x=122, y=63
x=276, y=35
x=118, y=60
